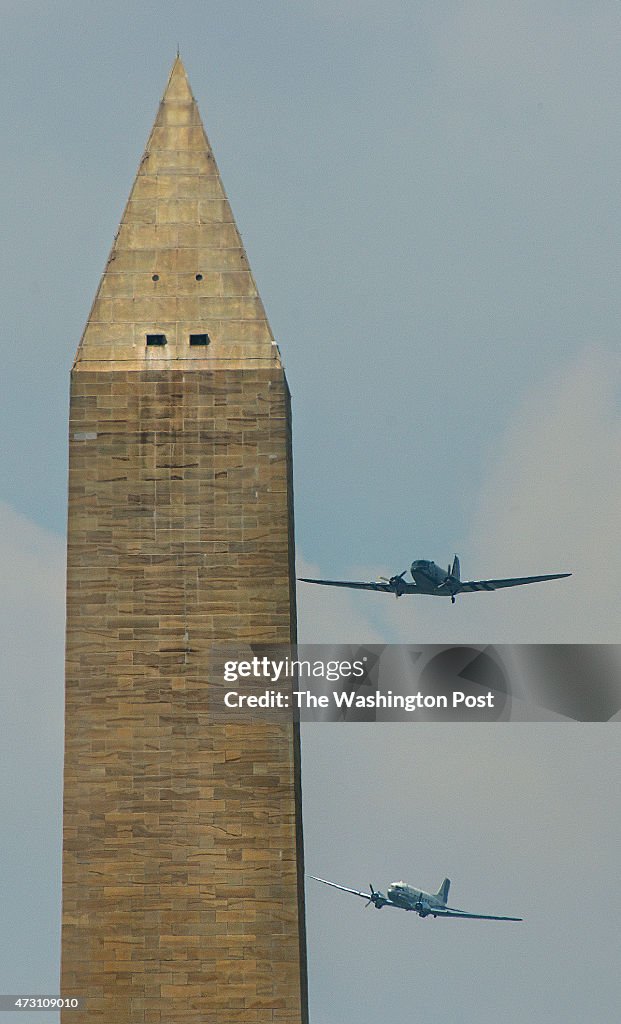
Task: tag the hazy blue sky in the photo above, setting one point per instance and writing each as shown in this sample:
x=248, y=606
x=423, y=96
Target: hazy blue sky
x=428, y=194
x=517, y=818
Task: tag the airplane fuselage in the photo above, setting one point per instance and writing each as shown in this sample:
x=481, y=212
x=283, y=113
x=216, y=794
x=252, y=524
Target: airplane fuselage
x=406, y=897
x=431, y=579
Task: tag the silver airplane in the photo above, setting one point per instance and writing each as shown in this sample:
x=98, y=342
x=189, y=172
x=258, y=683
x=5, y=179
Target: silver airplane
x=406, y=897
x=429, y=578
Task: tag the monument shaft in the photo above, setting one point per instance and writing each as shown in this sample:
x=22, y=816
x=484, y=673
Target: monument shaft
x=182, y=860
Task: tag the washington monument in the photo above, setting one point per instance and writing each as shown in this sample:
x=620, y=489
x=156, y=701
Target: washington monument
x=182, y=859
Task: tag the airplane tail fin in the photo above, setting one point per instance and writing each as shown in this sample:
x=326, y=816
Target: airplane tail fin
x=443, y=891
x=456, y=569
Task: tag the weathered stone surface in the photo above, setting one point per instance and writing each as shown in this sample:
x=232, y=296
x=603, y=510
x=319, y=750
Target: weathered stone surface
x=182, y=858
x=178, y=264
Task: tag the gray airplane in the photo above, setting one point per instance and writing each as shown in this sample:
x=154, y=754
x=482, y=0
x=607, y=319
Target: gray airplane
x=406, y=897
x=429, y=578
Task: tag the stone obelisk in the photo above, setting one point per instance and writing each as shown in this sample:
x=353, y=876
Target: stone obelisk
x=182, y=865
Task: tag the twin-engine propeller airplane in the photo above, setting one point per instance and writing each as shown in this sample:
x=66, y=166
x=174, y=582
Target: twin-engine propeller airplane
x=406, y=897
x=429, y=578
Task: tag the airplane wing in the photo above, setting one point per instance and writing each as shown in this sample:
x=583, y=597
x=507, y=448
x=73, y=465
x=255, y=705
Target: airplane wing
x=473, y=585
x=453, y=912
x=365, y=895
x=384, y=588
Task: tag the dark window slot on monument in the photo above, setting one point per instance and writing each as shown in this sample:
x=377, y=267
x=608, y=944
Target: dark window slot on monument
x=199, y=339
x=156, y=339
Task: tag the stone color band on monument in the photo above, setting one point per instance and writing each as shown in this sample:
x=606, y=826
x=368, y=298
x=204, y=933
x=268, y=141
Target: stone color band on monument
x=182, y=842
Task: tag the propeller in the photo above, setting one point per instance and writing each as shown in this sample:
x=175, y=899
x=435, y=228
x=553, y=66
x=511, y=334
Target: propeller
x=447, y=579
x=449, y=575
x=394, y=581
x=375, y=898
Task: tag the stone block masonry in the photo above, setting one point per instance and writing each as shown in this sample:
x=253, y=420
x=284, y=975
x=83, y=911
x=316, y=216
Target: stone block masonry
x=182, y=860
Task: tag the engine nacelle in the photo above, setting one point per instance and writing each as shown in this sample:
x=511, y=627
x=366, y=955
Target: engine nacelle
x=422, y=909
x=377, y=899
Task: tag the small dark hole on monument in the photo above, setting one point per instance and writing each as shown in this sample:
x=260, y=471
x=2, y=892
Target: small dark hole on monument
x=199, y=339
x=199, y=277
x=155, y=277
x=156, y=339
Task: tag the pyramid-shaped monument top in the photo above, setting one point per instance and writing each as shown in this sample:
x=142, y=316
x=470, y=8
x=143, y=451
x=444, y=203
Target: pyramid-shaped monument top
x=177, y=292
